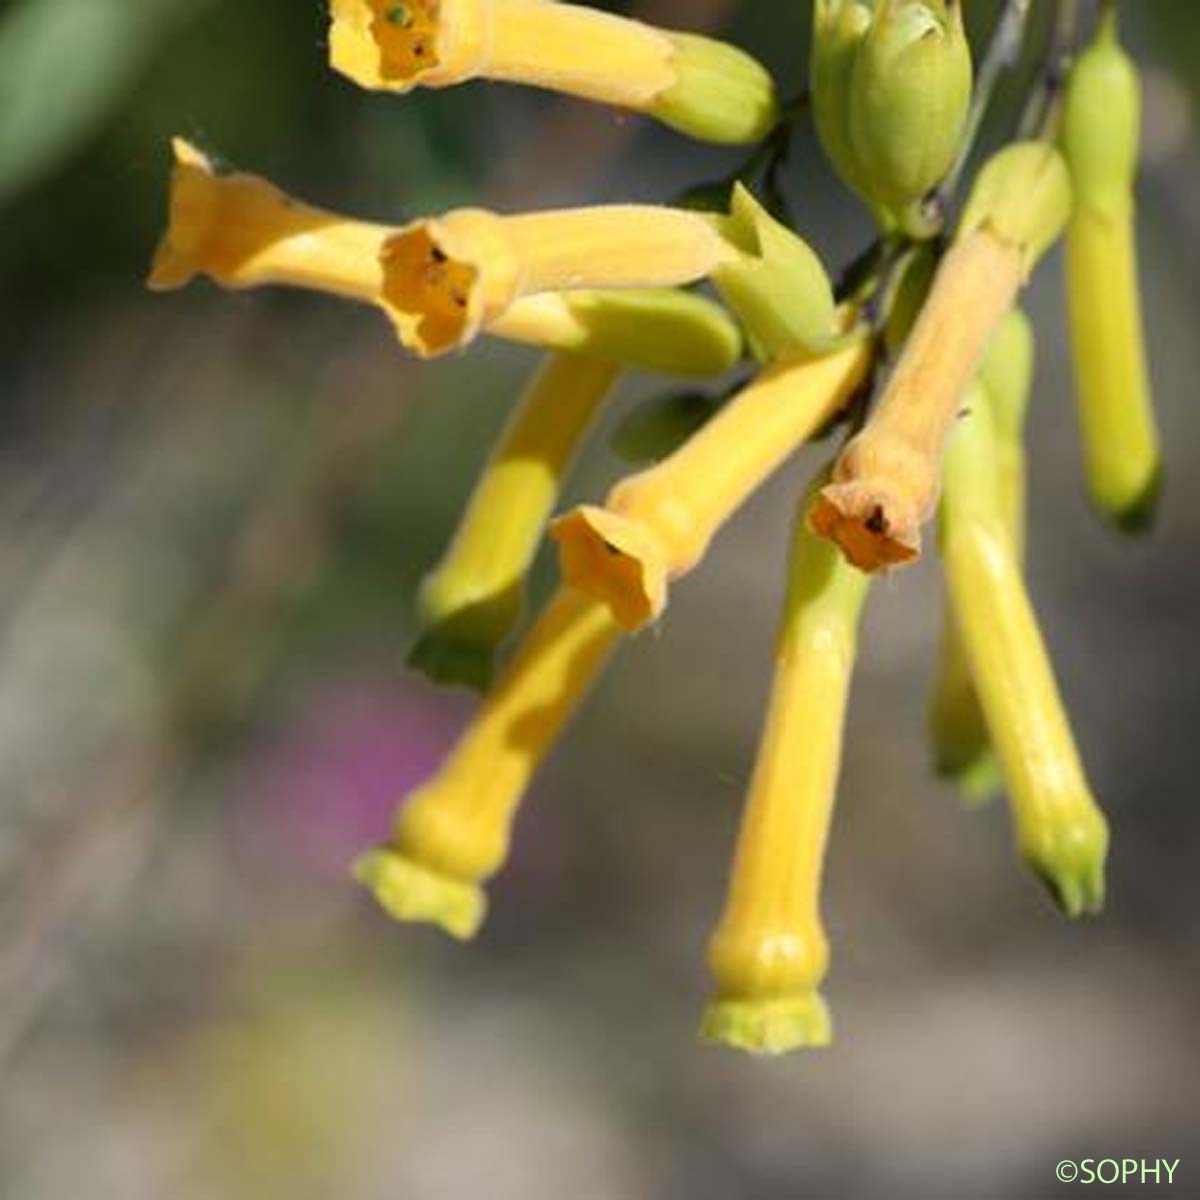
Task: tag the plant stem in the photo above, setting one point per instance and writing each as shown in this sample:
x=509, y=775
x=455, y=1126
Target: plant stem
x=1040, y=115
x=1003, y=53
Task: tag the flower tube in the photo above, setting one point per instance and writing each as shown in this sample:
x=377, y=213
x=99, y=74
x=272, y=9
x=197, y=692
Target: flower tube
x=243, y=232
x=702, y=87
x=958, y=729
x=769, y=953
x=1061, y=832
x=472, y=600
x=1101, y=126
x=447, y=277
x=656, y=525
x=441, y=280
x=885, y=483
x=452, y=834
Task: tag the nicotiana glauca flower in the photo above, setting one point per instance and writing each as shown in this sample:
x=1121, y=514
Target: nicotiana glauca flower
x=600, y=290
x=656, y=525
x=702, y=87
x=769, y=954
x=1061, y=832
x=885, y=483
x=962, y=746
x=447, y=277
x=452, y=834
x=474, y=597
x=441, y=281
x=472, y=600
x=892, y=90
x=1100, y=138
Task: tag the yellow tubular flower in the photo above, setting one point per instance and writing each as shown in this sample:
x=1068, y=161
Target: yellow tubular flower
x=650, y=329
x=473, y=598
x=452, y=834
x=962, y=746
x=656, y=525
x=769, y=953
x=440, y=281
x=447, y=277
x=885, y=484
x=242, y=232
x=1100, y=132
x=1061, y=832
x=700, y=86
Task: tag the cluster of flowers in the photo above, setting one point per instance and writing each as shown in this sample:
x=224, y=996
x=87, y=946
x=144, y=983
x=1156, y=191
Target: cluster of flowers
x=600, y=289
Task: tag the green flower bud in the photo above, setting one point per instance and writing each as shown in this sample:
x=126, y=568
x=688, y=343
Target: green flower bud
x=1101, y=117
x=909, y=99
x=776, y=284
x=839, y=27
x=1101, y=123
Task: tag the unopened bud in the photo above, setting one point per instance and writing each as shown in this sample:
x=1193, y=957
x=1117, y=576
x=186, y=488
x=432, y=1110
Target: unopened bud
x=909, y=99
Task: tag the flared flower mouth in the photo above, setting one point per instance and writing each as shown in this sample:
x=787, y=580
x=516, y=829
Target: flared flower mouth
x=615, y=560
x=867, y=525
x=193, y=219
x=401, y=44
x=431, y=295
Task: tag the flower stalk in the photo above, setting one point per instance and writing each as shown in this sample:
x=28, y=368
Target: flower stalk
x=702, y=87
x=452, y=834
x=769, y=953
x=472, y=600
x=656, y=525
x=1060, y=831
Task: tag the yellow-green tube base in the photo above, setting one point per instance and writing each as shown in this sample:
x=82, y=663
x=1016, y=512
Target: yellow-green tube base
x=408, y=891
x=1073, y=867
x=769, y=1027
x=1141, y=514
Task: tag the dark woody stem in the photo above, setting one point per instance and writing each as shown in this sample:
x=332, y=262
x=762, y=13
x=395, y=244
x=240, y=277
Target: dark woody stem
x=1003, y=53
x=1039, y=119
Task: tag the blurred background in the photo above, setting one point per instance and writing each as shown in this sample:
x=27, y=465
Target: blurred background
x=214, y=510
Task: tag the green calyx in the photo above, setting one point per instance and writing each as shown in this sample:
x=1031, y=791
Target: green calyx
x=775, y=283
x=891, y=94
x=1101, y=122
x=721, y=94
x=1023, y=196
